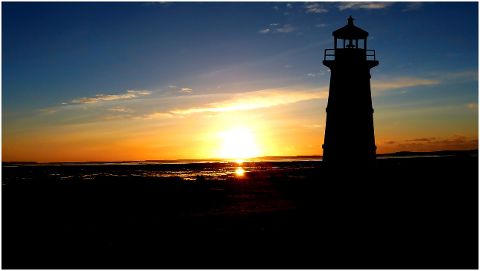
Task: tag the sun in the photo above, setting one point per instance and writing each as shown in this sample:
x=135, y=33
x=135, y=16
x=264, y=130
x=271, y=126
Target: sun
x=238, y=143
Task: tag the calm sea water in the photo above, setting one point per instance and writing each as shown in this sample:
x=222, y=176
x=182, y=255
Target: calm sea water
x=187, y=169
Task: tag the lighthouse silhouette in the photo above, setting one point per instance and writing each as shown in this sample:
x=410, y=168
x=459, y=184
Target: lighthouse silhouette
x=349, y=132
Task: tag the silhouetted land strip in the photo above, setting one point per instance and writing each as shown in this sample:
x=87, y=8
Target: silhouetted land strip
x=418, y=213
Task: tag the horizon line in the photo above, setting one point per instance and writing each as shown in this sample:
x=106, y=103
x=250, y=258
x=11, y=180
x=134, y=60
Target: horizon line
x=230, y=159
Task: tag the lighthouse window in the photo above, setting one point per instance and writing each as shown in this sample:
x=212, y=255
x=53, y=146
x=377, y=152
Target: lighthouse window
x=361, y=44
x=340, y=43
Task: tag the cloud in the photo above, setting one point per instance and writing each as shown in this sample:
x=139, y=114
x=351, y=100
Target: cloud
x=47, y=110
x=264, y=31
x=102, y=97
x=390, y=142
x=141, y=92
x=274, y=24
x=316, y=74
x=256, y=99
x=454, y=139
x=364, y=5
x=315, y=7
x=413, y=6
x=275, y=7
x=423, y=139
x=186, y=90
x=122, y=109
x=402, y=82
x=289, y=6
x=157, y=115
x=172, y=86
x=455, y=142
x=287, y=28
x=321, y=25
x=165, y=4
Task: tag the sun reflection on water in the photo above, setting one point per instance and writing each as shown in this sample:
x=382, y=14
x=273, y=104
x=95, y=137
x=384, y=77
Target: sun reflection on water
x=240, y=171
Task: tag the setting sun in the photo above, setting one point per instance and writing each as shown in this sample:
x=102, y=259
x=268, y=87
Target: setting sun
x=238, y=143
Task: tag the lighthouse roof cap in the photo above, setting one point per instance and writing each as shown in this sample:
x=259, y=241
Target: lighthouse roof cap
x=350, y=31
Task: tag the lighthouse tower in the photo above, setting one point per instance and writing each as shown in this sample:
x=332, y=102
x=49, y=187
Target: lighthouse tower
x=349, y=142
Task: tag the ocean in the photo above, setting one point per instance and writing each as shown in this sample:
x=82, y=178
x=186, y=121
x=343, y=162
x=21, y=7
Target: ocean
x=189, y=169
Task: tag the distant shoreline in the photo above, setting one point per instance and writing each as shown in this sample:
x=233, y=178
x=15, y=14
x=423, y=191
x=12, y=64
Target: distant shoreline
x=254, y=159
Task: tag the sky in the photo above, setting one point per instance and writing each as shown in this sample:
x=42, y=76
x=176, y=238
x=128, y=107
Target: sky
x=117, y=81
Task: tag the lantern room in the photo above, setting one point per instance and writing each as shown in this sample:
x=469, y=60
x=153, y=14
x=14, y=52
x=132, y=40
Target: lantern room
x=350, y=41
x=350, y=37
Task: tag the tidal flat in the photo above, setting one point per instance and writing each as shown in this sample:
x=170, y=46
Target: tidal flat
x=416, y=212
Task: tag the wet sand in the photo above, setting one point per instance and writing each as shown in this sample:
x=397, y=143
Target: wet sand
x=415, y=213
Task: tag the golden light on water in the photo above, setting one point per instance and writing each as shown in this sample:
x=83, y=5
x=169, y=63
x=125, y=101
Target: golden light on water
x=240, y=171
x=238, y=143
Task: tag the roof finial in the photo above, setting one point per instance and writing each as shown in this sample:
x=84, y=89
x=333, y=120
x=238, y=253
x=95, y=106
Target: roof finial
x=350, y=20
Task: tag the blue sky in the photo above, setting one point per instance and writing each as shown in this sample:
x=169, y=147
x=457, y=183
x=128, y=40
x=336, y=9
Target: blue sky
x=95, y=65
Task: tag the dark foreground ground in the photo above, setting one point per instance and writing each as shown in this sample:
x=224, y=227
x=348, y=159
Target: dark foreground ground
x=416, y=213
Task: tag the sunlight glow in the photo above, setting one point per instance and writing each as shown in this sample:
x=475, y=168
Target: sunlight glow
x=239, y=161
x=240, y=171
x=238, y=143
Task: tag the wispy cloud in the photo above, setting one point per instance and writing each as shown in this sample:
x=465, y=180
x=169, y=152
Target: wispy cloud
x=316, y=74
x=321, y=25
x=122, y=109
x=456, y=141
x=364, y=5
x=413, y=6
x=103, y=97
x=289, y=6
x=47, y=110
x=402, y=82
x=255, y=99
x=172, y=86
x=388, y=142
x=423, y=139
x=141, y=92
x=315, y=8
x=186, y=90
x=165, y=4
x=285, y=29
x=156, y=115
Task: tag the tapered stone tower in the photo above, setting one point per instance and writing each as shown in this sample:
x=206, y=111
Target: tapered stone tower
x=349, y=143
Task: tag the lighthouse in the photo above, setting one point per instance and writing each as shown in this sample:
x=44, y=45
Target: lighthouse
x=349, y=143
